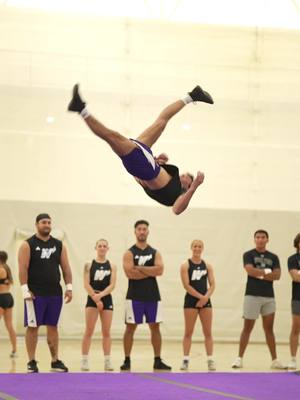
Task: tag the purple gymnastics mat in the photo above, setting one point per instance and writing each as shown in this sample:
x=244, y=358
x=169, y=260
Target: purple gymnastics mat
x=146, y=386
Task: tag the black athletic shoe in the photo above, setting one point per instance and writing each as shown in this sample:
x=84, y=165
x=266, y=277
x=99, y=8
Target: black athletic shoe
x=76, y=104
x=32, y=366
x=126, y=365
x=160, y=366
x=58, y=366
x=198, y=94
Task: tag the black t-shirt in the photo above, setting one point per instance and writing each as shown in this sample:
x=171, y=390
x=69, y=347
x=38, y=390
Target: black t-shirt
x=143, y=289
x=294, y=263
x=43, y=271
x=266, y=259
x=169, y=193
x=100, y=274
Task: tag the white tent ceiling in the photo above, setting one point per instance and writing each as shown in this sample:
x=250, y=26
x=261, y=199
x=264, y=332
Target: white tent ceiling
x=261, y=13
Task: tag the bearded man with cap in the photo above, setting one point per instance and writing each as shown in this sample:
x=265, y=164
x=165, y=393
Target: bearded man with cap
x=40, y=259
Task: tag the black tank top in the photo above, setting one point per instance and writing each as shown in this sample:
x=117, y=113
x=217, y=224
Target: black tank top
x=43, y=271
x=143, y=289
x=100, y=275
x=198, y=276
x=169, y=193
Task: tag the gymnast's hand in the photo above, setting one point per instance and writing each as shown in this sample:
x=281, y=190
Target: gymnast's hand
x=198, y=180
x=162, y=159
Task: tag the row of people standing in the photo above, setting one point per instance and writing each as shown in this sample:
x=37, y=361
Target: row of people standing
x=41, y=255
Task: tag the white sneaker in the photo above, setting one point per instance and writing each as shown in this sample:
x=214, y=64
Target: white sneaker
x=211, y=365
x=238, y=363
x=276, y=364
x=184, y=366
x=292, y=364
x=13, y=354
x=84, y=365
x=108, y=366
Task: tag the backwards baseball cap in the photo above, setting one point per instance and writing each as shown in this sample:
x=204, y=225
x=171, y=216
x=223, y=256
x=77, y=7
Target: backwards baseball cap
x=42, y=216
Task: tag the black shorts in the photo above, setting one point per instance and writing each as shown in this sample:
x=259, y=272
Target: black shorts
x=191, y=301
x=6, y=300
x=106, y=300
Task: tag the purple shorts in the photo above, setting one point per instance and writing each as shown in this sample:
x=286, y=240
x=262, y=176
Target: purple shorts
x=136, y=310
x=43, y=310
x=140, y=162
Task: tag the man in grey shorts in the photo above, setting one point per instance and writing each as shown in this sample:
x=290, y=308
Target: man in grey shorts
x=263, y=268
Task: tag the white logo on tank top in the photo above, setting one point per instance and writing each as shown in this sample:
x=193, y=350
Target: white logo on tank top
x=197, y=274
x=143, y=259
x=46, y=253
x=101, y=274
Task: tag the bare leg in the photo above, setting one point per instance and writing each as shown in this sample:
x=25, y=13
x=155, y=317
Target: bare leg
x=205, y=315
x=190, y=318
x=106, y=320
x=294, y=336
x=245, y=335
x=128, y=338
x=119, y=144
x=155, y=338
x=268, y=322
x=52, y=340
x=151, y=134
x=31, y=339
x=10, y=328
x=91, y=316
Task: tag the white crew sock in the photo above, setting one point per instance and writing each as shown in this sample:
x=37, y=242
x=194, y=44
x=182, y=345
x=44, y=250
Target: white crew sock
x=84, y=357
x=85, y=113
x=187, y=99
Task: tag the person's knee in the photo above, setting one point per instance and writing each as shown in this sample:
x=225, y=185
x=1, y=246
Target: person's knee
x=32, y=330
x=154, y=328
x=161, y=123
x=207, y=335
x=188, y=334
x=269, y=329
x=106, y=334
x=247, y=329
x=295, y=330
x=130, y=329
x=88, y=333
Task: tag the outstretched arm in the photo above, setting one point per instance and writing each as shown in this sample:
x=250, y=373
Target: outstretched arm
x=183, y=201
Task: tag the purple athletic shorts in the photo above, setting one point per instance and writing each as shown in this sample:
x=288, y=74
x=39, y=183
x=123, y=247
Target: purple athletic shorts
x=140, y=162
x=43, y=310
x=136, y=310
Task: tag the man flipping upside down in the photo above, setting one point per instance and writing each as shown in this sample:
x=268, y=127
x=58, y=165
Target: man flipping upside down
x=161, y=181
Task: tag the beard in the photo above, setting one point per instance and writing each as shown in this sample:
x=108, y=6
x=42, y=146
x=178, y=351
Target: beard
x=44, y=232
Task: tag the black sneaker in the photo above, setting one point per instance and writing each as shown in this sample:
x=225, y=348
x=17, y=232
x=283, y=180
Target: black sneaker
x=198, y=94
x=76, y=104
x=126, y=365
x=58, y=366
x=159, y=365
x=32, y=366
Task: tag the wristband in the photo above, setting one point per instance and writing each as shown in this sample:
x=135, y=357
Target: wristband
x=69, y=286
x=25, y=291
x=267, y=271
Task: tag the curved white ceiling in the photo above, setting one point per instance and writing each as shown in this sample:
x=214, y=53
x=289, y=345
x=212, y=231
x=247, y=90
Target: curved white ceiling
x=261, y=13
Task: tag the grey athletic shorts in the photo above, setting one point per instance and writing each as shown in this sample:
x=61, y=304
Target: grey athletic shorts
x=296, y=307
x=258, y=305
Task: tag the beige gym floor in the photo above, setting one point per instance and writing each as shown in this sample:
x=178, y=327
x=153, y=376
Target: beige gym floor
x=257, y=358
